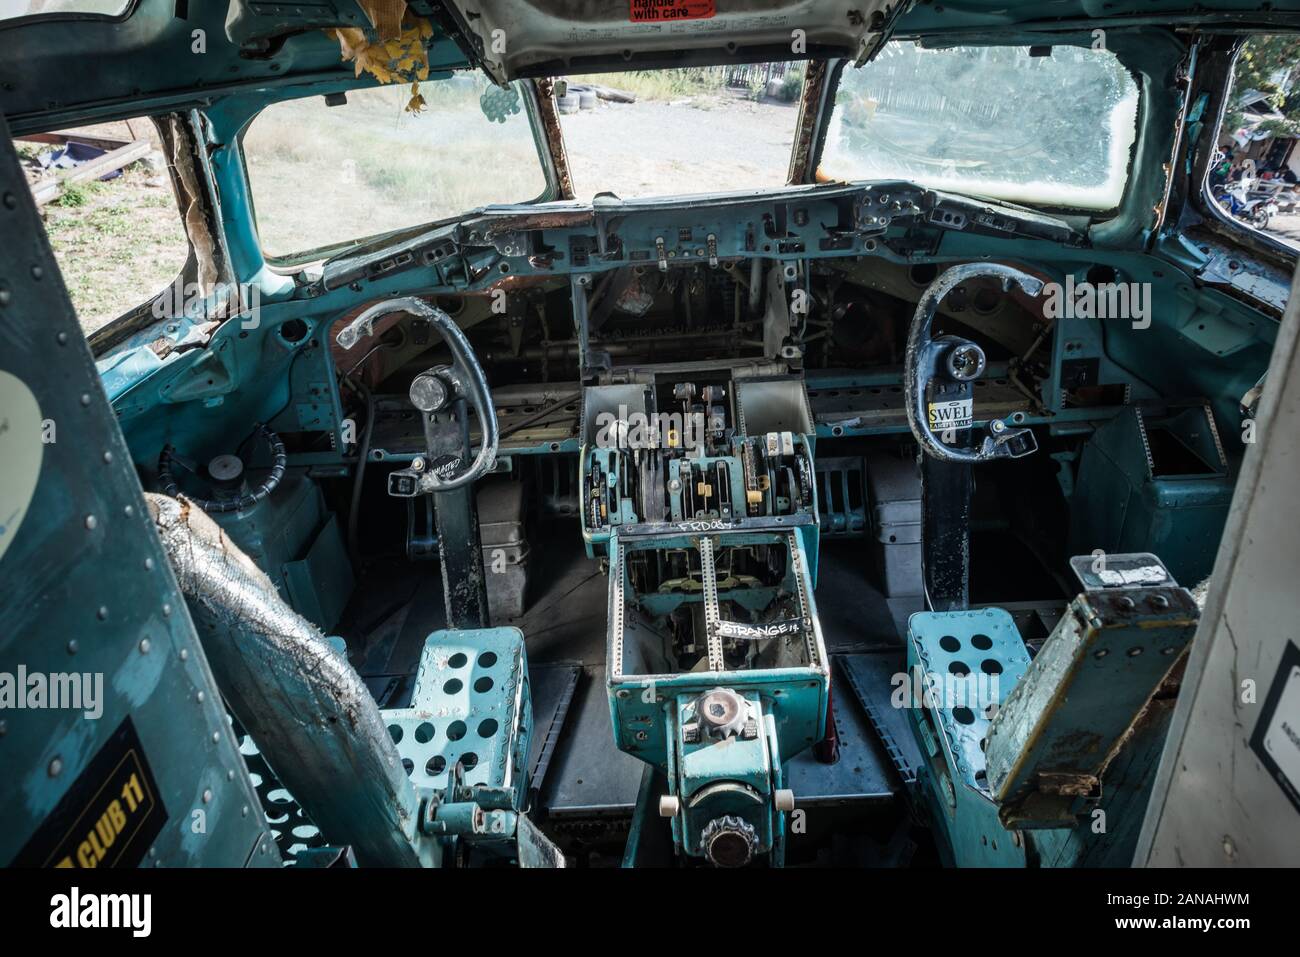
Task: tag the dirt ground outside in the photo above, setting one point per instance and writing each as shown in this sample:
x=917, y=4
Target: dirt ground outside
x=717, y=142
x=118, y=242
x=1287, y=229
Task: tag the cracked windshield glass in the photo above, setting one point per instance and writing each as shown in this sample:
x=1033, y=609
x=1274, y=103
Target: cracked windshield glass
x=1004, y=122
x=672, y=132
x=379, y=160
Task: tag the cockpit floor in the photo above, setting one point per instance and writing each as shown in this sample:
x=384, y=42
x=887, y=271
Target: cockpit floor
x=579, y=773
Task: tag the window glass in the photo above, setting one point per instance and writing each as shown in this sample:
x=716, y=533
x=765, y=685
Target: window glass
x=1054, y=130
x=323, y=176
x=1254, y=173
x=673, y=132
x=14, y=9
x=118, y=238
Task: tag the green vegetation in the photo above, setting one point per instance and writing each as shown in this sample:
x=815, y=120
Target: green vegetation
x=117, y=243
x=1271, y=65
x=73, y=195
x=658, y=84
x=791, y=85
x=691, y=82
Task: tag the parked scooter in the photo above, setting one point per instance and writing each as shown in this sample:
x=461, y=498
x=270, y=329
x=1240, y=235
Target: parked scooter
x=1250, y=207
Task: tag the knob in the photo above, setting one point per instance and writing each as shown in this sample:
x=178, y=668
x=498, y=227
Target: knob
x=966, y=362
x=729, y=841
x=722, y=712
x=226, y=471
x=428, y=392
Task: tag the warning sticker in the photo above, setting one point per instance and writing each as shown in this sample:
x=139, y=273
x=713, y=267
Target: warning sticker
x=958, y=414
x=669, y=11
x=1276, y=740
x=109, y=816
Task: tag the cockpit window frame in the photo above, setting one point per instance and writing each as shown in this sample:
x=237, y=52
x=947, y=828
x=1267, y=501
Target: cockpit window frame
x=297, y=261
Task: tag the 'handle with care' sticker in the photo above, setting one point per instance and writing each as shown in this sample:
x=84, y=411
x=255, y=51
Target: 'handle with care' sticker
x=669, y=11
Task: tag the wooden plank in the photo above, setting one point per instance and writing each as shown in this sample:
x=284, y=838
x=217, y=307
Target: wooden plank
x=48, y=189
x=61, y=138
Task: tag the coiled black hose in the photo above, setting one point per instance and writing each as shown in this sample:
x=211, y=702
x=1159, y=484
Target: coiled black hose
x=169, y=486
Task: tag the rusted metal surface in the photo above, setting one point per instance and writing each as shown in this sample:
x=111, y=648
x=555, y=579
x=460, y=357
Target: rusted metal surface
x=1053, y=741
x=549, y=114
x=810, y=108
x=542, y=219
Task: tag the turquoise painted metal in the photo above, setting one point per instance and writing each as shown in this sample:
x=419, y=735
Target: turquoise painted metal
x=1051, y=765
x=470, y=708
x=298, y=543
x=1154, y=479
x=721, y=735
x=463, y=741
x=961, y=665
x=139, y=766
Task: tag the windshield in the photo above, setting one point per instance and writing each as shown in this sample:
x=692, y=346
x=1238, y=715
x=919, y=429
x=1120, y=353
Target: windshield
x=325, y=172
x=15, y=9
x=1051, y=130
x=671, y=132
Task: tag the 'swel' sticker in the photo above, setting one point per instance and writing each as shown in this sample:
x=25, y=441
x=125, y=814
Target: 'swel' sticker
x=664, y=11
x=957, y=414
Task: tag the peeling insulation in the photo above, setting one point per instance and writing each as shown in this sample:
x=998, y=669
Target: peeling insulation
x=189, y=195
x=397, y=52
x=304, y=705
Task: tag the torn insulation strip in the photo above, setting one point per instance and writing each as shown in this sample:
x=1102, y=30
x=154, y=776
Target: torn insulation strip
x=397, y=52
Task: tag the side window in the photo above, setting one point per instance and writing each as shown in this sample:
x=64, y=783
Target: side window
x=1256, y=169
x=109, y=209
x=328, y=171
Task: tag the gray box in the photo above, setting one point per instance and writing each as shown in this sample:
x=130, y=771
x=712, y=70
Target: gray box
x=894, y=499
x=502, y=515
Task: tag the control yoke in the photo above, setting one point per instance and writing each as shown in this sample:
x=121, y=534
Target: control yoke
x=953, y=361
x=437, y=389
